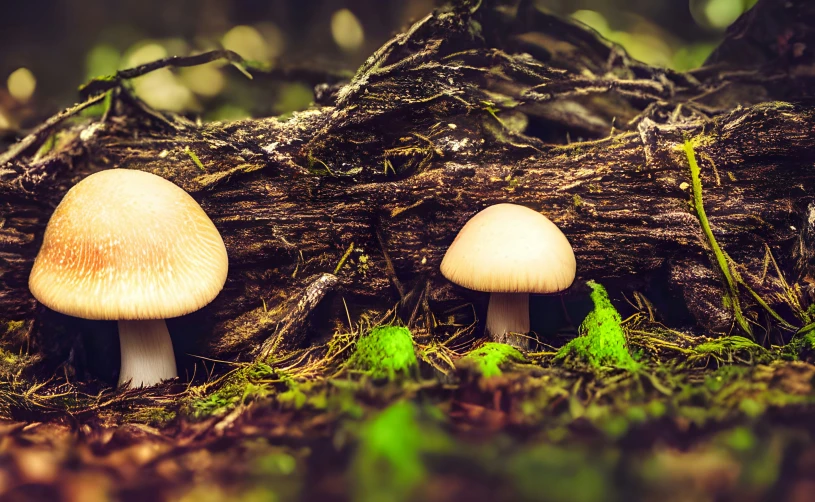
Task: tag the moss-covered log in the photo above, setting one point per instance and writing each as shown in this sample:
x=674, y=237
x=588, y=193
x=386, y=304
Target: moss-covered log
x=482, y=103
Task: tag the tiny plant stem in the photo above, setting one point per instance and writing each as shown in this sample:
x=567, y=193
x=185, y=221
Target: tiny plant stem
x=344, y=258
x=766, y=307
x=508, y=316
x=147, y=353
x=721, y=260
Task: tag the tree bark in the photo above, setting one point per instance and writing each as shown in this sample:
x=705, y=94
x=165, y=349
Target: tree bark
x=481, y=103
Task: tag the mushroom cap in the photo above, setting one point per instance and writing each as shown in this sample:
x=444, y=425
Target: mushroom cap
x=128, y=245
x=508, y=248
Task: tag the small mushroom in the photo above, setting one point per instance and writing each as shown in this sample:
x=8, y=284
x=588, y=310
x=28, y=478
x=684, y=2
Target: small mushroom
x=510, y=251
x=133, y=247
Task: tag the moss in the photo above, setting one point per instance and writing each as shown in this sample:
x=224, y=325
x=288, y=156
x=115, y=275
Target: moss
x=246, y=383
x=739, y=439
x=8, y=359
x=602, y=339
x=802, y=345
x=562, y=474
x=724, y=376
x=293, y=398
x=488, y=358
x=13, y=363
x=389, y=463
x=303, y=395
x=731, y=349
x=385, y=352
x=14, y=326
x=154, y=416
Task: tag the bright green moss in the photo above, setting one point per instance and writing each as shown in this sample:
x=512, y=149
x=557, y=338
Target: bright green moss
x=292, y=398
x=602, y=338
x=389, y=464
x=722, y=344
x=739, y=439
x=488, y=358
x=385, y=352
x=729, y=349
x=801, y=345
x=238, y=388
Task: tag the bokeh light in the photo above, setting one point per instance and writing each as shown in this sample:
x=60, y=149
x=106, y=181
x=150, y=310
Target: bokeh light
x=347, y=30
x=677, y=34
x=5, y=122
x=718, y=14
x=274, y=37
x=593, y=20
x=641, y=39
x=160, y=89
x=293, y=97
x=204, y=80
x=144, y=52
x=21, y=84
x=248, y=42
x=102, y=60
x=647, y=42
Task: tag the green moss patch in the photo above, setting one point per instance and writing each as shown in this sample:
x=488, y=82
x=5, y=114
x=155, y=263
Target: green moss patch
x=389, y=462
x=602, y=341
x=802, y=345
x=488, y=359
x=733, y=349
x=248, y=382
x=385, y=352
x=151, y=415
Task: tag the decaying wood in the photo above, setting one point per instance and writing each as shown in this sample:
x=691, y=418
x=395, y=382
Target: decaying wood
x=290, y=329
x=482, y=103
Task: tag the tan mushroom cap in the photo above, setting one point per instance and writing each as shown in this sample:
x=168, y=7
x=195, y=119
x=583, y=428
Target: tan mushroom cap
x=128, y=245
x=508, y=248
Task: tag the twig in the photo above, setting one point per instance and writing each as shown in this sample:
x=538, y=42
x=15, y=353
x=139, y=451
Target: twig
x=389, y=265
x=45, y=129
x=297, y=316
x=103, y=84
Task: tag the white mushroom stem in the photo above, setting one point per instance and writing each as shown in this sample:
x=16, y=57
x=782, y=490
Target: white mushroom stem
x=147, y=353
x=508, y=313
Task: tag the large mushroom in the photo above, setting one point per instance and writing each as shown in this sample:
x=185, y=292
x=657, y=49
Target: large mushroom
x=510, y=251
x=133, y=247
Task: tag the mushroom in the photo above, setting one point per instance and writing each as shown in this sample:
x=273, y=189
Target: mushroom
x=510, y=251
x=130, y=246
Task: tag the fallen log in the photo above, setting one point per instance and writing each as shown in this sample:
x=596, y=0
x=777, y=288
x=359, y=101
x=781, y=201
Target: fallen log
x=481, y=103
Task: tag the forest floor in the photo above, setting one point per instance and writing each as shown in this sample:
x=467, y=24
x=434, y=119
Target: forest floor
x=641, y=412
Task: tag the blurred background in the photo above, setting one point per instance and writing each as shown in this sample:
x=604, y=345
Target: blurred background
x=49, y=47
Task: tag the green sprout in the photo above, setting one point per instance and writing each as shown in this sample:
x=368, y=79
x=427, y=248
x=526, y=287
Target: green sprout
x=732, y=298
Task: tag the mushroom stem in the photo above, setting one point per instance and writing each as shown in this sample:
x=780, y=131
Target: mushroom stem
x=147, y=353
x=509, y=313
